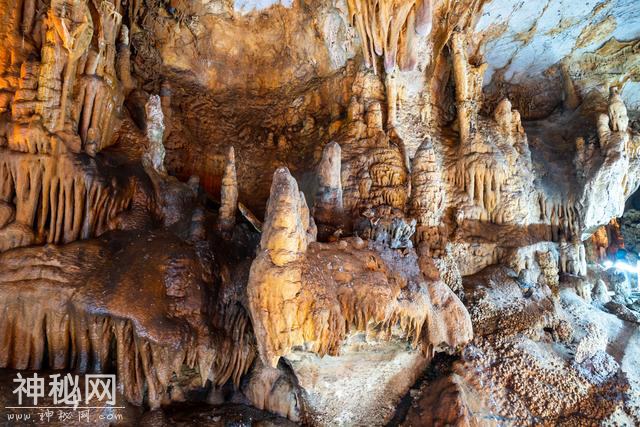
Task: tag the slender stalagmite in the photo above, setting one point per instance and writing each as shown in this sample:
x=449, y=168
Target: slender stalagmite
x=228, y=195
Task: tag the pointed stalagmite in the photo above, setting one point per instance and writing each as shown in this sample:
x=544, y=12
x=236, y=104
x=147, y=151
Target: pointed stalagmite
x=284, y=229
x=571, y=98
x=228, y=195
x=507, y=118
x=298, y=296
x=276, y=275
x=503, y=115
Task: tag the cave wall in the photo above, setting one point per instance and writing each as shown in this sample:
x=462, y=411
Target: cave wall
x=302, y=186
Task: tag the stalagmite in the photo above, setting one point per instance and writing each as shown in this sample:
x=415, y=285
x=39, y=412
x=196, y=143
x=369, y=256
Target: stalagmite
x=571, y=99
x=197, y=229
x=327, y=208
x=276, y=274
x=617, y=112
x=154, y=155
x=549, y=270
x=503, y=116
x=604, y=131
x=572, y=258
x=228, y=195
x=427, y=193
x=292, y=303
x=508, y=119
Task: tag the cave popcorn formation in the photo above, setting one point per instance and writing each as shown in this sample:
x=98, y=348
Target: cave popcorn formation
x=329, y=213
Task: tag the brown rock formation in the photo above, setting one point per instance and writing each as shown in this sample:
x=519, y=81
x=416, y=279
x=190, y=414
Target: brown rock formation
x=228, y=195
x=82, y=317
x=440, y=162
x=318, y=305
x=277, y=271
x=428, y=194
x=389, y=29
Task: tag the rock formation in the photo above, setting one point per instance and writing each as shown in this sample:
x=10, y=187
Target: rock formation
x=617, y=112
x=428, y=193
x=389, y=29
x=434, y=228
x=154, y=156
x=298, y=298
x=328, y=209
x=228, y=194
x=468, y=86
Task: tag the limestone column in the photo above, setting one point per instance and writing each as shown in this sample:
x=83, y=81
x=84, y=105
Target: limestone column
x=228, y=195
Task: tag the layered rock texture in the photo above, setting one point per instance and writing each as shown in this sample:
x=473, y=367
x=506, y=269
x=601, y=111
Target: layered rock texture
x=414, y=212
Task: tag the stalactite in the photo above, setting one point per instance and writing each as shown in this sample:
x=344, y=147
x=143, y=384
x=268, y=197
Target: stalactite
x=75, y=41
x=482, y=178
x=123, y=61
x=562, y=216
x=99, y=95
x=468, y=85
x=60, y=199
x=387, y=29
x=48, y=322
